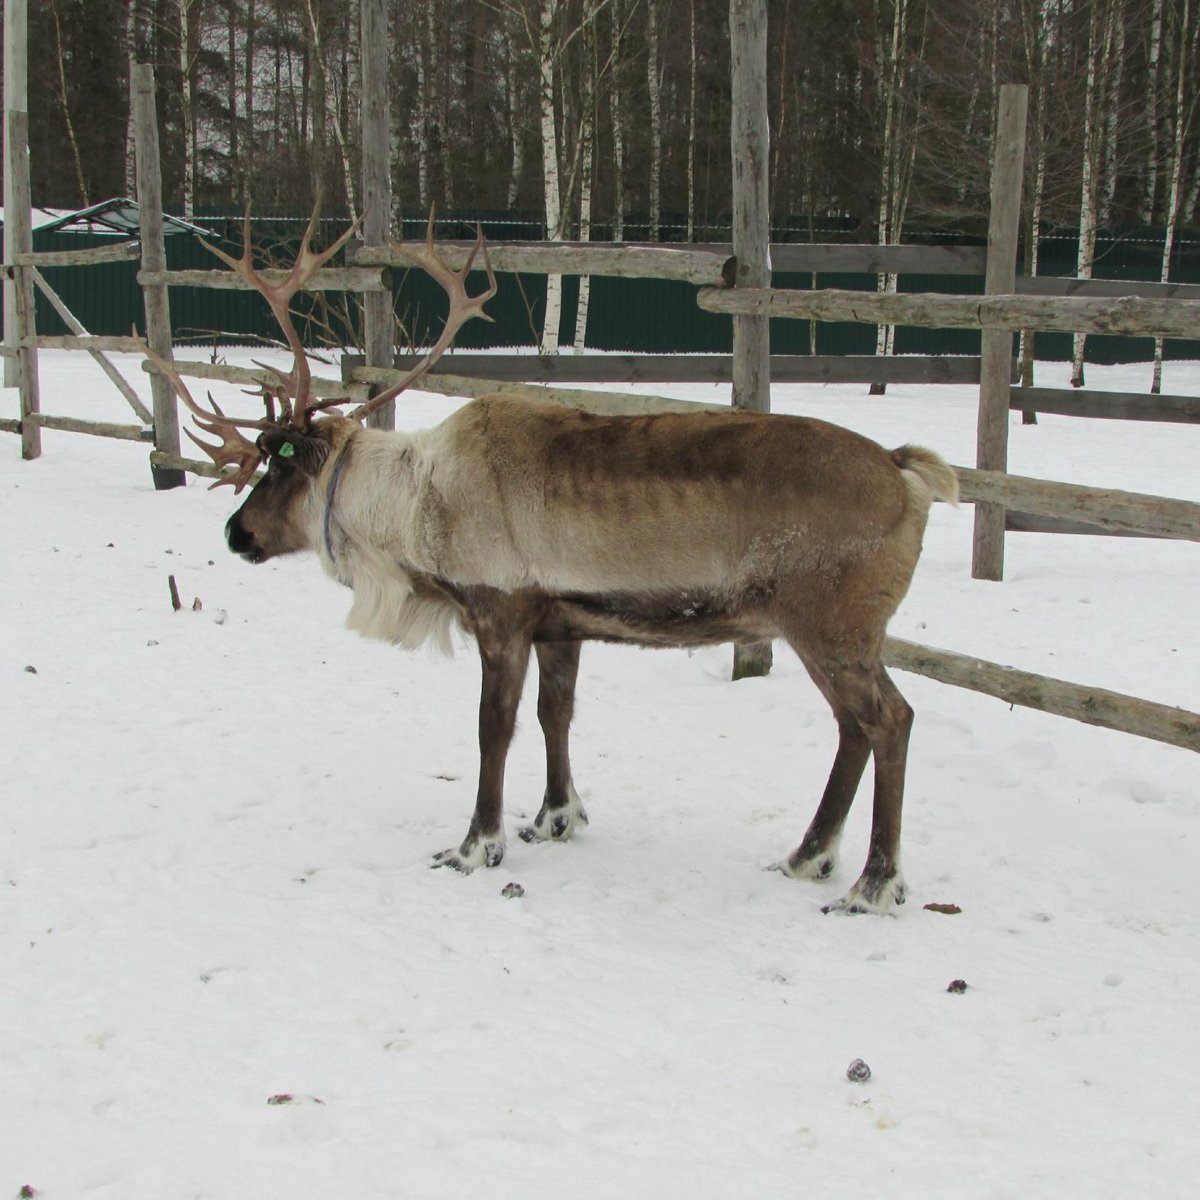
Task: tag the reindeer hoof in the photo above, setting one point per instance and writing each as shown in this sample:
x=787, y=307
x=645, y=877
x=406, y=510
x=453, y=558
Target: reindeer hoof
x=556, y=824
x=877, y=896
x=466, y=858
x=819, y=866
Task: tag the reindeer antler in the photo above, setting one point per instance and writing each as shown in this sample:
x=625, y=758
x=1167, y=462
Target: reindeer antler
x=462, y=306
x=294, y=391
x=234, y=450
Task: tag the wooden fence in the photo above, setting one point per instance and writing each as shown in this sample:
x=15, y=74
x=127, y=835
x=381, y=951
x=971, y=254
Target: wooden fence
x=1005, y=308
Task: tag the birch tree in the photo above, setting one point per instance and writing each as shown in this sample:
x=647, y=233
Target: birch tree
x=1180, y=121
x=551, y=168
x=618, y=124
x=1101, y=32
x=898, y=56
x=654, y=89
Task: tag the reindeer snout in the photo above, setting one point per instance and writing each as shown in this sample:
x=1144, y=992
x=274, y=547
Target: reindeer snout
x=241, y=540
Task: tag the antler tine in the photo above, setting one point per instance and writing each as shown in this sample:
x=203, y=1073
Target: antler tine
x=297, y=382
x=462, y=306
x=234, y=450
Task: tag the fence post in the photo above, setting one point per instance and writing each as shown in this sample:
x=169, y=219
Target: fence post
x=17, y=139
x=16, y=24
x=995, y=364
x=377, y=191
x=154, y=258
x=751, y=235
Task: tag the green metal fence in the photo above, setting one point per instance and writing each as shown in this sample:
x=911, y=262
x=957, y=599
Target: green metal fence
x=634, y=315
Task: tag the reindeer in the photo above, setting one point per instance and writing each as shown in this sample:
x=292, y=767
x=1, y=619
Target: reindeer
x=533, y=526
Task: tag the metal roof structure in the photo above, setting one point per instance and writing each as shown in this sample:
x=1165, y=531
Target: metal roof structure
x=117, y=216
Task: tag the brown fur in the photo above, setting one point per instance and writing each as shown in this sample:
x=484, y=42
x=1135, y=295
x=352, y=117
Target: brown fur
x=530, y=525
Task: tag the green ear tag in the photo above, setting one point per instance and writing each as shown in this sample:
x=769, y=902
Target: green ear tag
x=287, y=450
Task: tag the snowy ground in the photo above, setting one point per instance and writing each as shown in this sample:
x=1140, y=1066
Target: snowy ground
x=216, y=827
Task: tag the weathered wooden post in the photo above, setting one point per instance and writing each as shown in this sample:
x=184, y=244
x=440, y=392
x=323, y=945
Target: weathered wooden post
x=154, y=258
x=995, y=366
x=16, y=42
x=20, y=217
x=751, y=234
x=377, y=190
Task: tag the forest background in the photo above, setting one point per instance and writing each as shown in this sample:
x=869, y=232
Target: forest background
x=610, y=118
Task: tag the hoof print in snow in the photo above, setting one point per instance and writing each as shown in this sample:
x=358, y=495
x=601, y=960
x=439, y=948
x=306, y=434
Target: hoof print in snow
x=949, y=910
x=957, y=986
x=858, y=1071
x=512, y=891
x=288, y=1098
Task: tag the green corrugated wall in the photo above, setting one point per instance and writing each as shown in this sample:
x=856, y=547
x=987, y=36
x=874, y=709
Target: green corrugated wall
x=642, y=316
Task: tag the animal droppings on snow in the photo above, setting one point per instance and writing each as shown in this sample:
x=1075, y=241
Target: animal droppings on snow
x=287, y=1098
x=957, y=986
x=512, y=891
x=858, y=1071
x=31, y=670
x=949, y=910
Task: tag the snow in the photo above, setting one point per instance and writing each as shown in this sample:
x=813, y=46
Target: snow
x=214, y=886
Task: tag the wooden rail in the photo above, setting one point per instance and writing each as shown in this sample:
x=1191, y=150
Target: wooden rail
x=699, y=263
x=328, y=279
x=1091, y=705
x=701, y=368
x=1110, y=406
x=1130, y=512
x=566, y=258
x=1068, y=314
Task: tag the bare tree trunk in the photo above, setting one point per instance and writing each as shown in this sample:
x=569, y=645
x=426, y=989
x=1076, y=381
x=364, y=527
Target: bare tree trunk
x=187, y=108
x=135, y=35
x=1100, y=37
x=654, y=86
x=442, y=75
x=317, y=141
x=424, y=20
x=320, y=104
x=1153, y=73
x=1035, y=38
x=1112, y=115
x=691, y=141
x=513, y=117
x=898, y=152
x=231, y=49
x=550, y=169
x=1175, y=181
x=587, y=134
x=618, y=126
x=61, y=68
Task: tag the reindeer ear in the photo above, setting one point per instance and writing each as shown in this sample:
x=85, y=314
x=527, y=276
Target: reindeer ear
x=303, y=450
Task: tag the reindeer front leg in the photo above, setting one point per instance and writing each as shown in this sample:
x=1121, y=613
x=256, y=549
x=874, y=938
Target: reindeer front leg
x=505, y=657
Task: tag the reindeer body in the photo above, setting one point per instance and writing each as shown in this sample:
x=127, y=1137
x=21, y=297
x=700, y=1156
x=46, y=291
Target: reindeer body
x=535, y=526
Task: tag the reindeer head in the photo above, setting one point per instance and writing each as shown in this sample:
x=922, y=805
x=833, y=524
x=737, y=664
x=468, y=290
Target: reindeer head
x=298, y=445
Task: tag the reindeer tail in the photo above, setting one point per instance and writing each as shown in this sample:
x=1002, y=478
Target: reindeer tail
x=933, y=471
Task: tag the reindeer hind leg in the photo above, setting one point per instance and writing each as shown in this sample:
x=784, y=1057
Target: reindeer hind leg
x=816, y=856
x=886, y=720
x=561, y=812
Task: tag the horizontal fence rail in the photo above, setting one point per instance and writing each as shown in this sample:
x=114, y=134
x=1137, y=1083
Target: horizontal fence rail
x=699, y=368
x=1093, y=706
x=566, y=258
x=1068, y=314
x=328, y=279
x=1110, y=406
